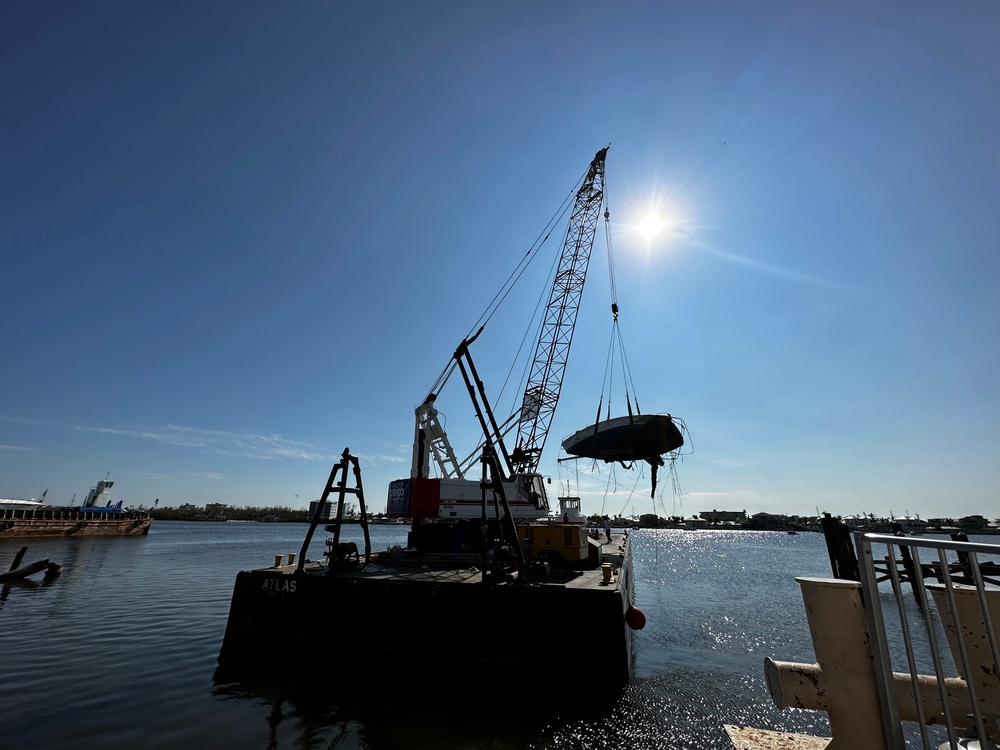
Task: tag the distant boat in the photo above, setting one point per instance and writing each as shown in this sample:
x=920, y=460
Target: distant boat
x=12, y=504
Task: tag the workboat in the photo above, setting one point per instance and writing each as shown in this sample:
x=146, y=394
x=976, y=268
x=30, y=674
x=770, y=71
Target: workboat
x=490, y=582
x=96, y=516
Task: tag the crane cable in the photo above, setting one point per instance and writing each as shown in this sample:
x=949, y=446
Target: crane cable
x=616, y=335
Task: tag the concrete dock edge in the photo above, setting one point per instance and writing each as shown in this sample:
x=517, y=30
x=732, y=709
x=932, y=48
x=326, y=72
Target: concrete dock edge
x=750, y=738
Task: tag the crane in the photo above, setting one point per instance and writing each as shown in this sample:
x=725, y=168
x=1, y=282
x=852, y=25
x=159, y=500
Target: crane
x=552, y=351
x=453, y=495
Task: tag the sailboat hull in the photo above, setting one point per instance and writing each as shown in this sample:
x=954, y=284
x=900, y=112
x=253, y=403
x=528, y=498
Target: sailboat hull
x=639, y=437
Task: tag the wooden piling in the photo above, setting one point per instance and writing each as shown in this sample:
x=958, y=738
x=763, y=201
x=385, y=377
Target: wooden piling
x=22, y=573
x=839, y=546
x=910, y=571
x=17, y=558
x=964, y=562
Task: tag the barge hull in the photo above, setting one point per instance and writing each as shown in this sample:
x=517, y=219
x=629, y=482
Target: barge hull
x=77, y=526
x=568, y=631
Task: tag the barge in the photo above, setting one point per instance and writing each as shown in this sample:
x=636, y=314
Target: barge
x=95, y=517
x=456, y=598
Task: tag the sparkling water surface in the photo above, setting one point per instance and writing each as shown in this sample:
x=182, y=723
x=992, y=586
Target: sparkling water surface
x=120, y=652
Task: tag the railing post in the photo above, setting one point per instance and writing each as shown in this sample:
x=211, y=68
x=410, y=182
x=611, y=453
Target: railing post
x=878, y=645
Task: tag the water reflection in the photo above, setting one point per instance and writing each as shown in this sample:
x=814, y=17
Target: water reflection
x=27, y=584
x=419, y=710
x=155, y=610
x=39, y=574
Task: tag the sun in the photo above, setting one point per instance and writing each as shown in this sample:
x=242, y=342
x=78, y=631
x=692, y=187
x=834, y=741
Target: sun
x=650, y=225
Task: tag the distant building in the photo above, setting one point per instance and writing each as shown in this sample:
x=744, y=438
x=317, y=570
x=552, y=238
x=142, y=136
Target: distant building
x=724, y=516
x=855, y=522
x=769, y=521
x=694, y=522
x=216, y=509
x=330, y=511
x=943, y=525
x=649, y=519
x=909, y=523
x=973, y=523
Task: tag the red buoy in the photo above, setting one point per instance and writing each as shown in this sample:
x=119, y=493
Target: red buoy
x=634, y=618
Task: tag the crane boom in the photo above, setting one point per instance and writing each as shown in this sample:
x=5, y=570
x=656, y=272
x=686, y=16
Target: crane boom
x=545, y=378
x=517, y=482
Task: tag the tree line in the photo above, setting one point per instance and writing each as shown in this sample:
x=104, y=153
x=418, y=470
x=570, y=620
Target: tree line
x=272, y=513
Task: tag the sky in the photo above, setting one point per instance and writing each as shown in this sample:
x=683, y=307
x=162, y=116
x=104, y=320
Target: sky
x=237, y=238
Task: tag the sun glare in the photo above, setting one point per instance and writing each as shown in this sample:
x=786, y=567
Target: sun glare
x=650, y=226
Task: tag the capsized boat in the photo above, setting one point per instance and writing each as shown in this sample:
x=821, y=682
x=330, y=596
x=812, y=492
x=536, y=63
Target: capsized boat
x=635, y=437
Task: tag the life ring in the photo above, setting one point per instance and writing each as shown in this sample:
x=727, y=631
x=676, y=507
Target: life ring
x=9, y=525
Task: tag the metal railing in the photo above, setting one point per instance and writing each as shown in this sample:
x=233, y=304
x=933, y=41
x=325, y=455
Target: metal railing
x=935, y=654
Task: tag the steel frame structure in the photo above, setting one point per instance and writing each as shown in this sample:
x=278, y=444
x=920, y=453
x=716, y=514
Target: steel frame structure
x=548, y=367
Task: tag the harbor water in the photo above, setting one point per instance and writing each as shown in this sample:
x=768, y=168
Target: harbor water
x=120, y=651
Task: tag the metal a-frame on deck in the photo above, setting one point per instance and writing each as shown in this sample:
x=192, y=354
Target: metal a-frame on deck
x=342, y=556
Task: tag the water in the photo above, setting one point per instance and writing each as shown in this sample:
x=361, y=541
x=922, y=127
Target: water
x=120, y=652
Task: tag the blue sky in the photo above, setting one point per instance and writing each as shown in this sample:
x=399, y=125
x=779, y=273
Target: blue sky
x=238, y=237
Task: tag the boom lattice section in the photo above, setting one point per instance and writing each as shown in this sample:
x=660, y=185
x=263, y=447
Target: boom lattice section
x=552, y=352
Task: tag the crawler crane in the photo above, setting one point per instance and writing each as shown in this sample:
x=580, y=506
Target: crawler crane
x=513, y=474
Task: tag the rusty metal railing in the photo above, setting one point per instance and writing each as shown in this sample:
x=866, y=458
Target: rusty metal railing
x=935, y=654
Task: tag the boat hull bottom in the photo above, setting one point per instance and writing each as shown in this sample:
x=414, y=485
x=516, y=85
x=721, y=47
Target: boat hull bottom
x=642, y=438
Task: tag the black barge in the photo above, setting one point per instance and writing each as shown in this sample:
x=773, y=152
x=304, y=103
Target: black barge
x=539, y=618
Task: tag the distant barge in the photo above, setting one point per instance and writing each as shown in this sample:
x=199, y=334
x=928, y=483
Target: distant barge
x=96, y=517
